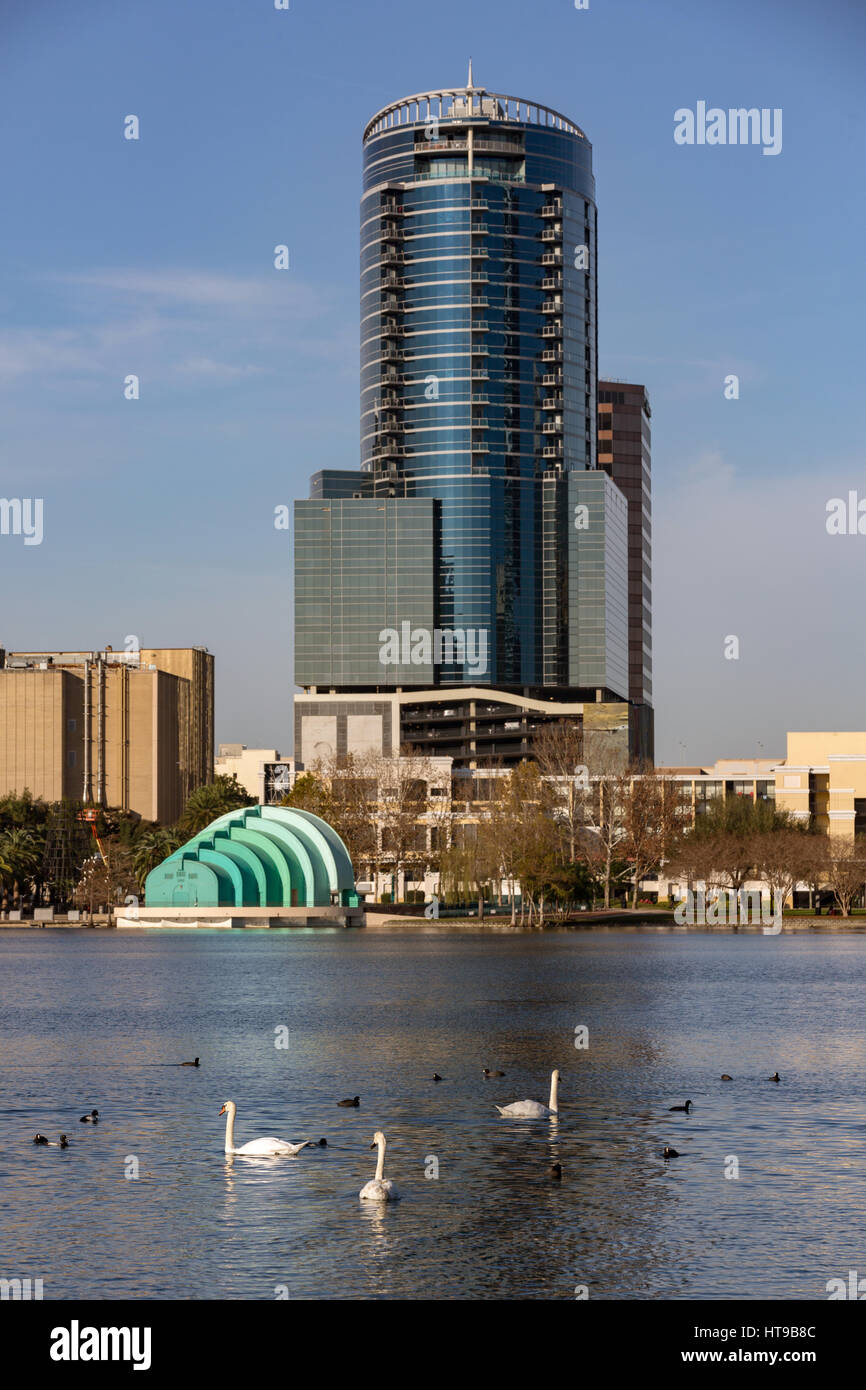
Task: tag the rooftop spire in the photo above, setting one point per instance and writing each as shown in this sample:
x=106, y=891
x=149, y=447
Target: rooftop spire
x=469, y=82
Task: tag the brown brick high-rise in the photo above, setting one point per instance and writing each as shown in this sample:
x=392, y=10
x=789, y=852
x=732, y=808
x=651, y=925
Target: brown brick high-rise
x=624, y=451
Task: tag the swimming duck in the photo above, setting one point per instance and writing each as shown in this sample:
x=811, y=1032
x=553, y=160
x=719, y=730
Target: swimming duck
x=725, y=1076
x=687, y=1107
x=555, y=1171
x=196, y=1063
x=91, y=1119
x=354, y=1102
x=670, y=1153
x=488, y=1073
x=774, y=1077
x=39, y=1139
x=436, y=1076
x=61, y=1143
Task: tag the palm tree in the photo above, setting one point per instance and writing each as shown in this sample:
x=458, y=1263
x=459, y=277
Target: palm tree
x=210, y=801
x=150, y=847
x=21, y=853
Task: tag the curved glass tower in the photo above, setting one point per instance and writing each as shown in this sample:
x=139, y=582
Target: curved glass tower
x=470, y=582
x=479, y=358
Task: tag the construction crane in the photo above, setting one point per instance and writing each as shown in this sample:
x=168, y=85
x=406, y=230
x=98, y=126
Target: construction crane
x=91, y=815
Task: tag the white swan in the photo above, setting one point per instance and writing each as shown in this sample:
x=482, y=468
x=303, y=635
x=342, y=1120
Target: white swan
x=262, y=1147
x=533, y=1109
x=379, y=1189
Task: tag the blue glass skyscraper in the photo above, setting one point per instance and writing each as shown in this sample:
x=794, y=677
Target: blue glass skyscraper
x=479, y=373
x=479, y=348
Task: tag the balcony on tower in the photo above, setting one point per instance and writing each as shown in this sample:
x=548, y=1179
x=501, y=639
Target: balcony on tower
x=387, y=451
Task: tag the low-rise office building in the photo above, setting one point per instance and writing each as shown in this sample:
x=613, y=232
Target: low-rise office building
x=262, y=772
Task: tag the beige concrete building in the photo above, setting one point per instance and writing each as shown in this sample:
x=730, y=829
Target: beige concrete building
x=130, y=730
x=823, y=779
x=263, y=772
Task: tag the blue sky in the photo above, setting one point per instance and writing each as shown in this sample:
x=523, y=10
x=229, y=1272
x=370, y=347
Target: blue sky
x=155, y=257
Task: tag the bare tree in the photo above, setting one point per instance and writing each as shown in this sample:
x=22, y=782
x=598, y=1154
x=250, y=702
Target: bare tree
x=519, y=833
x=106, y=882
x=778, y=860
x=812, y=864
x=846, y=871
x=654, y=818
x=558, y=750
x=601, y=807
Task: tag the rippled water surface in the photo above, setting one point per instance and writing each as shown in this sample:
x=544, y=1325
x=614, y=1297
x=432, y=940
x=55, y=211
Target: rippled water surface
x=93, y=1018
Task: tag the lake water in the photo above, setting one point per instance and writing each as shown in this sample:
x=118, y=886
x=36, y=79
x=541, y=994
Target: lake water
x=92, y=1018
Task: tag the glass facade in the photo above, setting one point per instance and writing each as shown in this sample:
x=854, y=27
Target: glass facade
x=479, y=354
x=362, y=569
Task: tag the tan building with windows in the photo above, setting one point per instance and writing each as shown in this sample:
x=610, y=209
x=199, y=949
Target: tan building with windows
x=130, y=730
x=821, y=780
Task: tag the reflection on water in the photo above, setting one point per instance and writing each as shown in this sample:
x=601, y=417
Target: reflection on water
x=87, y=1018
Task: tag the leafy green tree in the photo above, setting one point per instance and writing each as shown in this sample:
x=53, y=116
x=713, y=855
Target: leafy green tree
x=310, y=793
x=24, y=811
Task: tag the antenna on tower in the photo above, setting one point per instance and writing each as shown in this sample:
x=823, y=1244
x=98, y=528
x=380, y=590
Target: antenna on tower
x=469, y=83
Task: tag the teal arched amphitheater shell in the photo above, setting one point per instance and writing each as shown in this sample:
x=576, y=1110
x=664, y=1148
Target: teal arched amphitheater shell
x=258, y=856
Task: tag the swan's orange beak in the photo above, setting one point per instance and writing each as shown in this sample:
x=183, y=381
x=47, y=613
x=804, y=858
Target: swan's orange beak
x=223, y=1111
